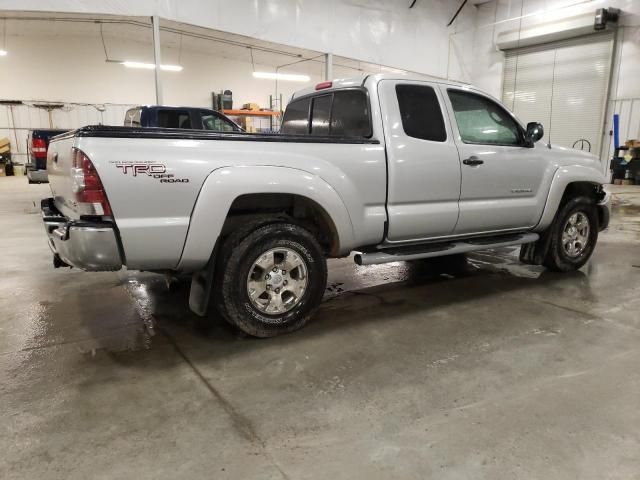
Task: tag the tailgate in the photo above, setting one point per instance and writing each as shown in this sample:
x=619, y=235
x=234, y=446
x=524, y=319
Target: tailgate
x=59, y=163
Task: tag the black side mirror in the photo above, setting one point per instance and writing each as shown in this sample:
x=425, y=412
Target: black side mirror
x=535, y=131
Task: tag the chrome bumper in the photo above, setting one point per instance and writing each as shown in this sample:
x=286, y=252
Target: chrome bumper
x=87, y=245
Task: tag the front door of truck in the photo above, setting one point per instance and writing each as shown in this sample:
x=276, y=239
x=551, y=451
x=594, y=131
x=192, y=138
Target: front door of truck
x=502, y=179
x=423, y=162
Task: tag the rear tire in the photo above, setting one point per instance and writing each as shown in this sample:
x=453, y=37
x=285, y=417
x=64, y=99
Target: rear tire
x=271, y=280
x=574, y=233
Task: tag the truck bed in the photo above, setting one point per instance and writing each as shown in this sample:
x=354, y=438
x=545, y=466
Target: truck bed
x=158, y=180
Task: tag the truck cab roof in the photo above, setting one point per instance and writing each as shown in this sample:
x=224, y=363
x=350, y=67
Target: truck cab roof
x=351, y=82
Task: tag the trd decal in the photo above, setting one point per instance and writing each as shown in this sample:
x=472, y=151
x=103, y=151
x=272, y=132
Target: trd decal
x=142, y=168
x=153, y=170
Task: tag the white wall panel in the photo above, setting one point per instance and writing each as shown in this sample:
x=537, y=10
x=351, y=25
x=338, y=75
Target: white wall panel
x=499, y=16
x=73, y=69
x=563, y=85
x=633, y=128
x=377, y=31
x=532, y=70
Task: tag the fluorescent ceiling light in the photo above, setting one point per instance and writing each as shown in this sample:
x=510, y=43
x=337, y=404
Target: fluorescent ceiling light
x=3, y=53
x=292, y=77
x=171, y=68
x=152, y=66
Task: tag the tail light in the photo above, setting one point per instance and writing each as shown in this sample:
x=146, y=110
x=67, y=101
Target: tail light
x=323, y=85
x=39, y=148
x=86, y=184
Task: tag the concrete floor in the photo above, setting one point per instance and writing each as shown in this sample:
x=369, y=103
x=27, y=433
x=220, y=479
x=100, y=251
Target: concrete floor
x=451, y=369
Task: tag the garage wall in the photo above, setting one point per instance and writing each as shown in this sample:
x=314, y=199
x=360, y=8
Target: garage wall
x=73, y=69
x=377, y=31
x=499, y=16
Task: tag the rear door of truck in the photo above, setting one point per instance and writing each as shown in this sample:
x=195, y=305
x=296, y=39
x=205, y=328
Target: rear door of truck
x=423, y=161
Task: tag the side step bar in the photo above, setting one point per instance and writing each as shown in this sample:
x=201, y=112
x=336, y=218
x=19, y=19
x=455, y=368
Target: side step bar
x=415, y=252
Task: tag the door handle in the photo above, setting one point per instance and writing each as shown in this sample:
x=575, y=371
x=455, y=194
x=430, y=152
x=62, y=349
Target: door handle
x=472, y=160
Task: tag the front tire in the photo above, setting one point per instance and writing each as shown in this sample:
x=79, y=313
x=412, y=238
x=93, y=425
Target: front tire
x=574, y=234
x=271, y=280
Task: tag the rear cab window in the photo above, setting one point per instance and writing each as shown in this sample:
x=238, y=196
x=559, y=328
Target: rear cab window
x=174, y=118
x=296, y=117
x=341, y=113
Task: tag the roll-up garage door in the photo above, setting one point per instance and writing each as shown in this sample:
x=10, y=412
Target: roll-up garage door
x=562, y=85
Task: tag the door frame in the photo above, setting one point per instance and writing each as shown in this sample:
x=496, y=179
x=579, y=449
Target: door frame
x=459, y=143
x=451, y=134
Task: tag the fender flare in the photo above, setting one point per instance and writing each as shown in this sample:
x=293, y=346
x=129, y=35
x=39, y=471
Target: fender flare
x=563, y=177
x=223, y=185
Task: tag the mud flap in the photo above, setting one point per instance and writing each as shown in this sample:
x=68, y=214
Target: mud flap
x=534, y=253
x=201, y=284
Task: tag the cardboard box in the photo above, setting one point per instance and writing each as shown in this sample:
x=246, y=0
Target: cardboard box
x=5, y=145
x=632, y=143
x=250, y=106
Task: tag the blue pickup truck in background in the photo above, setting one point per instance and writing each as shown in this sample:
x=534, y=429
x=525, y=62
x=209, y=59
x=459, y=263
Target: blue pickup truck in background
x=37, y=144
x=179, y=117
x=143, y=116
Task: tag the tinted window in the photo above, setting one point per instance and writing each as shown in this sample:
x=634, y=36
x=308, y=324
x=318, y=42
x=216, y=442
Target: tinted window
x=216, y=123
x=174, y=119
x=420, y=112
x=132, y=117
x=483, y=121
x=296, y=117
x=350, y=114
x=320, y=115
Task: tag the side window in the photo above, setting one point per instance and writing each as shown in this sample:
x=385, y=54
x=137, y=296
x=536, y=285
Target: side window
x=174, y=119
x=132, y=117
x=320, y=115
x=420, y=112
x=483, y=121
x=216, y=123
x=350, y=114
x=296, y=117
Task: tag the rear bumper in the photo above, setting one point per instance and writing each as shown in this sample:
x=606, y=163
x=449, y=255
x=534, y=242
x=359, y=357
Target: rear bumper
x=37, y=175
x=604, y=211
x=87, y=245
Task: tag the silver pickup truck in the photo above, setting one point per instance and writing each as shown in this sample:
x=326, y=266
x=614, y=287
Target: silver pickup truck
x=391, y=167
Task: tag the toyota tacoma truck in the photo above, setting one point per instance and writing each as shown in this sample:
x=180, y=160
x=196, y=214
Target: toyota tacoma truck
x=390, y=167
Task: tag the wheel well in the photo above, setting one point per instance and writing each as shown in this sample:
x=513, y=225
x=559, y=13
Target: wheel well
x=585, y=189
x=582, y=189
x=299, y=209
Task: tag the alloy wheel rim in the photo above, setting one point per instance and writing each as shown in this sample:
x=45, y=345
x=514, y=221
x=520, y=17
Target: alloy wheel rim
x=277, y=281
x=575, y=234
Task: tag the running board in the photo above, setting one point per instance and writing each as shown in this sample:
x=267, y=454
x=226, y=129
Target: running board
x=415, y=252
